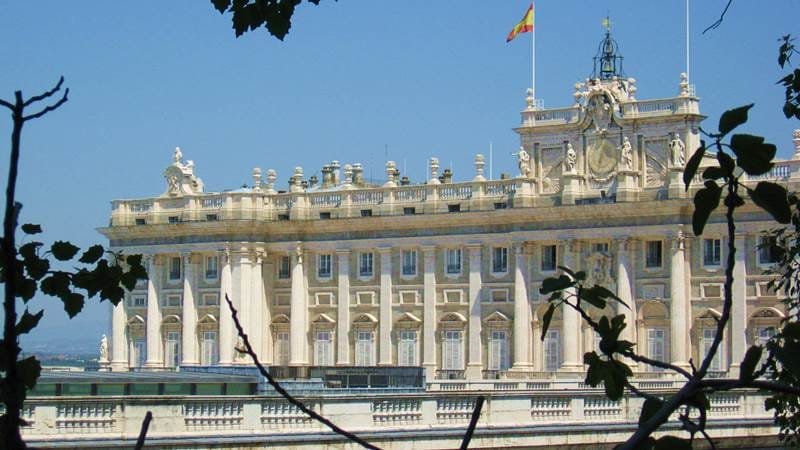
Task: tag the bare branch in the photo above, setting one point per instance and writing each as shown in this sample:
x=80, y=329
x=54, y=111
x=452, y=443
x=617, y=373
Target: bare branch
x=640, y=392
x=280, y=390
x=473, y=422
x=37, y=98
x=654, y=362
x=143, y=431
x=727, y=385
x=6, y=104
x=49, y=108
x=716, y=24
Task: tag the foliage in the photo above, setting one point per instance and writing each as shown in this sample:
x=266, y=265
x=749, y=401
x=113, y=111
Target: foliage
x=791, y=107
x=33, y=267
x=742, y=154
x=248, y=15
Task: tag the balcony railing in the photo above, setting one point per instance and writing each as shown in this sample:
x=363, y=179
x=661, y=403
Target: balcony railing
x=449, y=374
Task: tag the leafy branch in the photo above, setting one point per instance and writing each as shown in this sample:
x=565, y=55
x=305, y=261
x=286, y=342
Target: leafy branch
x=248, y=15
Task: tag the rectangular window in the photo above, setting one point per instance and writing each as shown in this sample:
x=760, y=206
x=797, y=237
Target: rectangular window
x=768, y=251
x=499, y=295
x=138, y=353
x=323, y=348
x=454, y=208
x=365, y=348
x=171, y=300
x=324, y=265
x=212, y=267
x=453, y=295
x=600, y=247
x=552, y=350
x=175, y=268
x=208, y=348
x=500, y=259
x=141, y=222
x=408, y=297
x=548, y=258
x=324, y=298
x=366, y=213
x=209, y=300
x=711, y=252
x=172, y=349
x=283, y=217
x=653, y=254
x=500, y=205
x=407, y=348
x=283, y=268
x=409, y=262
x=365, y=298
x=138, y=301
x=708, y=339
x=282, y=348
x=452, y=258
x=212, y=217
x=499, y=358
x=173, y=219
x=409, y=211
x=365, y=267
x=656, y=347
x=453, y=350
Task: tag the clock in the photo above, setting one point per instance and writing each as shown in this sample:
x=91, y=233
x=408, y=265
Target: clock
x=602, y=157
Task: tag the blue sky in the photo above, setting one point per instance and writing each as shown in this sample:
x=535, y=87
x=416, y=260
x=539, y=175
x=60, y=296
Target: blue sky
x=423, y=78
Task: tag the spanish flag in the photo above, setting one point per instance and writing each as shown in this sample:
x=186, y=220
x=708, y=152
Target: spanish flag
x=524, y=26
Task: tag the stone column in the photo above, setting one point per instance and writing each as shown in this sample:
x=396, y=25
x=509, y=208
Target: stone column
x=227, y=330
x=679, y=306
x=522, y=310
x=240, y=286
x=189, y=319
x=385, y=319
x=475, y=347
x=298, y=323
x=738, y=321
x=429, y=311
x=625, y=292
x=257, y=304
x=153, y=314
x=343, y=302
x=119, y=345
x=268, y=274
x=572, y=333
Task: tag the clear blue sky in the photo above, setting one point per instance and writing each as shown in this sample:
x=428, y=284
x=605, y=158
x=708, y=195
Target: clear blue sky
x=427, y=78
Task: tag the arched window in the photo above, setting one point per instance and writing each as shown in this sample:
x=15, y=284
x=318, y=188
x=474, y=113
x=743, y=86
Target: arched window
x=323, y=327
x=498, y=337
x=653, y=332
x=364, y=333
x=209, y=340
x=280, y=330
x=171, y=329
x=137, y=345
x=407, y=336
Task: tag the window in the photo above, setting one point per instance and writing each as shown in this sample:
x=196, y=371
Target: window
x=212, y=217
x=212, y=267
x=764, y=334
x=141, y=222
x=500, y=259
x=283, y=217
x=173, y=219
x=499, y=295
x=366, y=213
x=137, y=301
x=172, y=349
x=409, y=211
x=656, y=348
x=407, y=348
x=552, y=350
x=498, y=351
x=208, y=348
x=175, y=268
x=365, y=348
x=324, y=298
x=708, y=339
x=453, y=350
x=283, y=268
x=652, y=254
x=711, y=252
x=452, y=258
x=209, y=300
x=408, y=297
x=323, y=348
x=548, y=258
x=365, y=268
x=500, y=205
x=324, y=215
x=138, y=352
x=282, y=348
x=600, y=247
x=171, y=300
x=324, y=265
x=409, y=262
x=768, y=251
x=365, y=298
x=454, y=208
x=453, y=295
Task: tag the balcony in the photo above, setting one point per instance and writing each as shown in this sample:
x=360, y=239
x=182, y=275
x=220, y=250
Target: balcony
x=449, y=374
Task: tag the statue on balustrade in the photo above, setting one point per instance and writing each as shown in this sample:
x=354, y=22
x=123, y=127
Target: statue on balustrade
x=524, y=162
x=677, y=151
x=571, y=160
x=627, y=154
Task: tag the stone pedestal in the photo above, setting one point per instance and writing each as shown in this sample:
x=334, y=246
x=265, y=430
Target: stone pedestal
x=675, y=186
x=627, y=189
x=571, y=188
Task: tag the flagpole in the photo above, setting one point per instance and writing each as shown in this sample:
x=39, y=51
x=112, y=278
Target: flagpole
x=533, y=56
x=687, y=42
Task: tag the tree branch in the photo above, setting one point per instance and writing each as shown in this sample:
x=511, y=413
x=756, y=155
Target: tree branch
x=49, y=108
x=143, y=431
x=716, y=24
x=6, y=104
x=654, y=362
x=473, y=422
x=37, y=98
x=727, y=385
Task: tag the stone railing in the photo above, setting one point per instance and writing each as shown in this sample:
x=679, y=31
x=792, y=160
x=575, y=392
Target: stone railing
x=56, y=420
x=631, y=109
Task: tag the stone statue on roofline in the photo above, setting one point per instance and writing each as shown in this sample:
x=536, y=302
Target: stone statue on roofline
x=626, y=152
x=571, y=159
x=180, y=177
x=677, y=151
x=103, y=351
x=524, y=163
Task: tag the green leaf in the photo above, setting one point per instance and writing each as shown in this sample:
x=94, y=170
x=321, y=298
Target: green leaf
x=63, y=250
x=733, y=118
x=773, y=199
x=650, y=407
x=750, y=361
x=29, y=250
x=752, y=154
x=221, y=5
x=28, y=370
x=73, y=303
x=26, y=288
x=91, y=255
x=546, y=318
x=726, y=162
x=56, y=285
x=593, y=297
x=28, y=321
x=706, y=200
x=616, y=376
x=36, y=267
x=556, y=284
x=713, y=173
x=693, y=164
x=672, y=443
x=30, y=228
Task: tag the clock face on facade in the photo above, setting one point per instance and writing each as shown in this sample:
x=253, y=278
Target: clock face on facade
x=602, y=157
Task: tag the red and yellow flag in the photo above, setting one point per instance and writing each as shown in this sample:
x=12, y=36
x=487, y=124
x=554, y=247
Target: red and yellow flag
x=524, y=26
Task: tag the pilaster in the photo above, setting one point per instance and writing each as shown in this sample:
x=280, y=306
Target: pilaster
x=572, y=333
x=119, y=345
x=738, y=321
x=385, y=313
x=429, y=311
x=189, y=320
x=257, y=303
x=343, y=308
x=298, y=319
x=227, y=330
x=154, y=345
x=475, y=348
x=522, y=310
x=679, y=307
x=624, y=292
